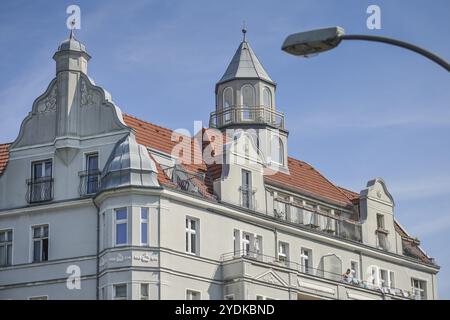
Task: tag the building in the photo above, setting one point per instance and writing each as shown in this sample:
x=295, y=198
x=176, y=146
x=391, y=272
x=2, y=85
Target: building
x=86, y=190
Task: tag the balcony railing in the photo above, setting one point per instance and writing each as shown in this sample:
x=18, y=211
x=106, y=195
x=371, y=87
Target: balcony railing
x=89, y=182
x=245, y=115
x=39, y=189
x=319, y=221
x=320, y=273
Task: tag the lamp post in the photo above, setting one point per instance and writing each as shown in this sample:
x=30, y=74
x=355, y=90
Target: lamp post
x=315, y=41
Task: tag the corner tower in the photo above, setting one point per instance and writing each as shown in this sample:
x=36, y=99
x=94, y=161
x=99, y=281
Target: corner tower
x=245, y=101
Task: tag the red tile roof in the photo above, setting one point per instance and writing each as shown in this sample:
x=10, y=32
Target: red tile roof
x=303, y=178
x=4, y=156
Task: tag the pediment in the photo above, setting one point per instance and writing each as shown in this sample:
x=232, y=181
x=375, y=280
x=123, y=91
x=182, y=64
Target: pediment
x=272, y=278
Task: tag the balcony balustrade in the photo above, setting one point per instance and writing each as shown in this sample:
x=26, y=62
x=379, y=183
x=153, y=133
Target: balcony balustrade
x=39, y=190
x=246, y=115
x=89, y=182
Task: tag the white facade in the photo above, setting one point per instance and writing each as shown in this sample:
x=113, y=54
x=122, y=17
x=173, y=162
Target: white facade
x=79, y=190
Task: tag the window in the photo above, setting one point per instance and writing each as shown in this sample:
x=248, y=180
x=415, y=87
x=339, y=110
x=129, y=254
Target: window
x=380, y=221
x=40, y=243
x=283, y=251
x=383, y=242
x=229, y=297
x=144, y=291
x=267, y=98
x=236, y=242
x=277, y=150
x=248, y=101
x=192, y=295
x=40, y=186
x=246, y=189
x=391, y=279
x=419, y=289
x=191, y=235
x=246, y=238
x=259, y=297
x=104, y=297
x=384, y=281
x=92, y=173
x=6, y=247
x=306, y=260
x=120, y=291
x=227, y=103
x=121, y=226
x=144, y=226
x=354, y=267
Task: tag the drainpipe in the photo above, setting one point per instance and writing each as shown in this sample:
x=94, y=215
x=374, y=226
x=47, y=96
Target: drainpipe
x=97, y=280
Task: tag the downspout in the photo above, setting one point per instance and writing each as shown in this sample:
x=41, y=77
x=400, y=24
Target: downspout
x=97, y=280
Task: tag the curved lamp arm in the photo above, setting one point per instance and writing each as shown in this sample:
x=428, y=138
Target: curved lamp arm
x=402, y=44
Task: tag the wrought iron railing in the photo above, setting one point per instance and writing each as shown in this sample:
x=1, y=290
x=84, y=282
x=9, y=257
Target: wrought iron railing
x=243, y=114
x=89, y=182
x=316, y=272
x=39, y=189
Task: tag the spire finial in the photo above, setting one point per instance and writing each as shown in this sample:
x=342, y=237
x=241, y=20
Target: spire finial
x=244, y=31
x=72, y=24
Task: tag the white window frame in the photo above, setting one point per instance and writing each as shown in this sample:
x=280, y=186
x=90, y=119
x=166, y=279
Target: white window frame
x=246, y=242
x=142, y=222
x=422, y=291
x=306, y=259
x=4, y=246
x=189, y=293
x=192, y=232
x=115, y=285
x=41, y=240
x=283, y=256
x=121, y=221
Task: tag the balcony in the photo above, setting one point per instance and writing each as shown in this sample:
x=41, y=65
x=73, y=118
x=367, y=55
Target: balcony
x=39, y=190
x=234, y=269
x=319, y=221
x=89, y=182
x=246, y=115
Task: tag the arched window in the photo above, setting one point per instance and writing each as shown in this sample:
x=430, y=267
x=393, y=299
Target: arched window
x=227, y=100
x=248, y=100
x=277, y=150
x=267, y=98
x=227, y=97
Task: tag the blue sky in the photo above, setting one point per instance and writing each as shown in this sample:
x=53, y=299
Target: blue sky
x=362, y=111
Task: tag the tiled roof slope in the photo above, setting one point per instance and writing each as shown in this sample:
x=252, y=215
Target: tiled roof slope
x=305, y=179
x=4, y=156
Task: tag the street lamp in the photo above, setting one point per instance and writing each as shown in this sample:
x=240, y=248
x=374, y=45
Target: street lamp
x=315, y=41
